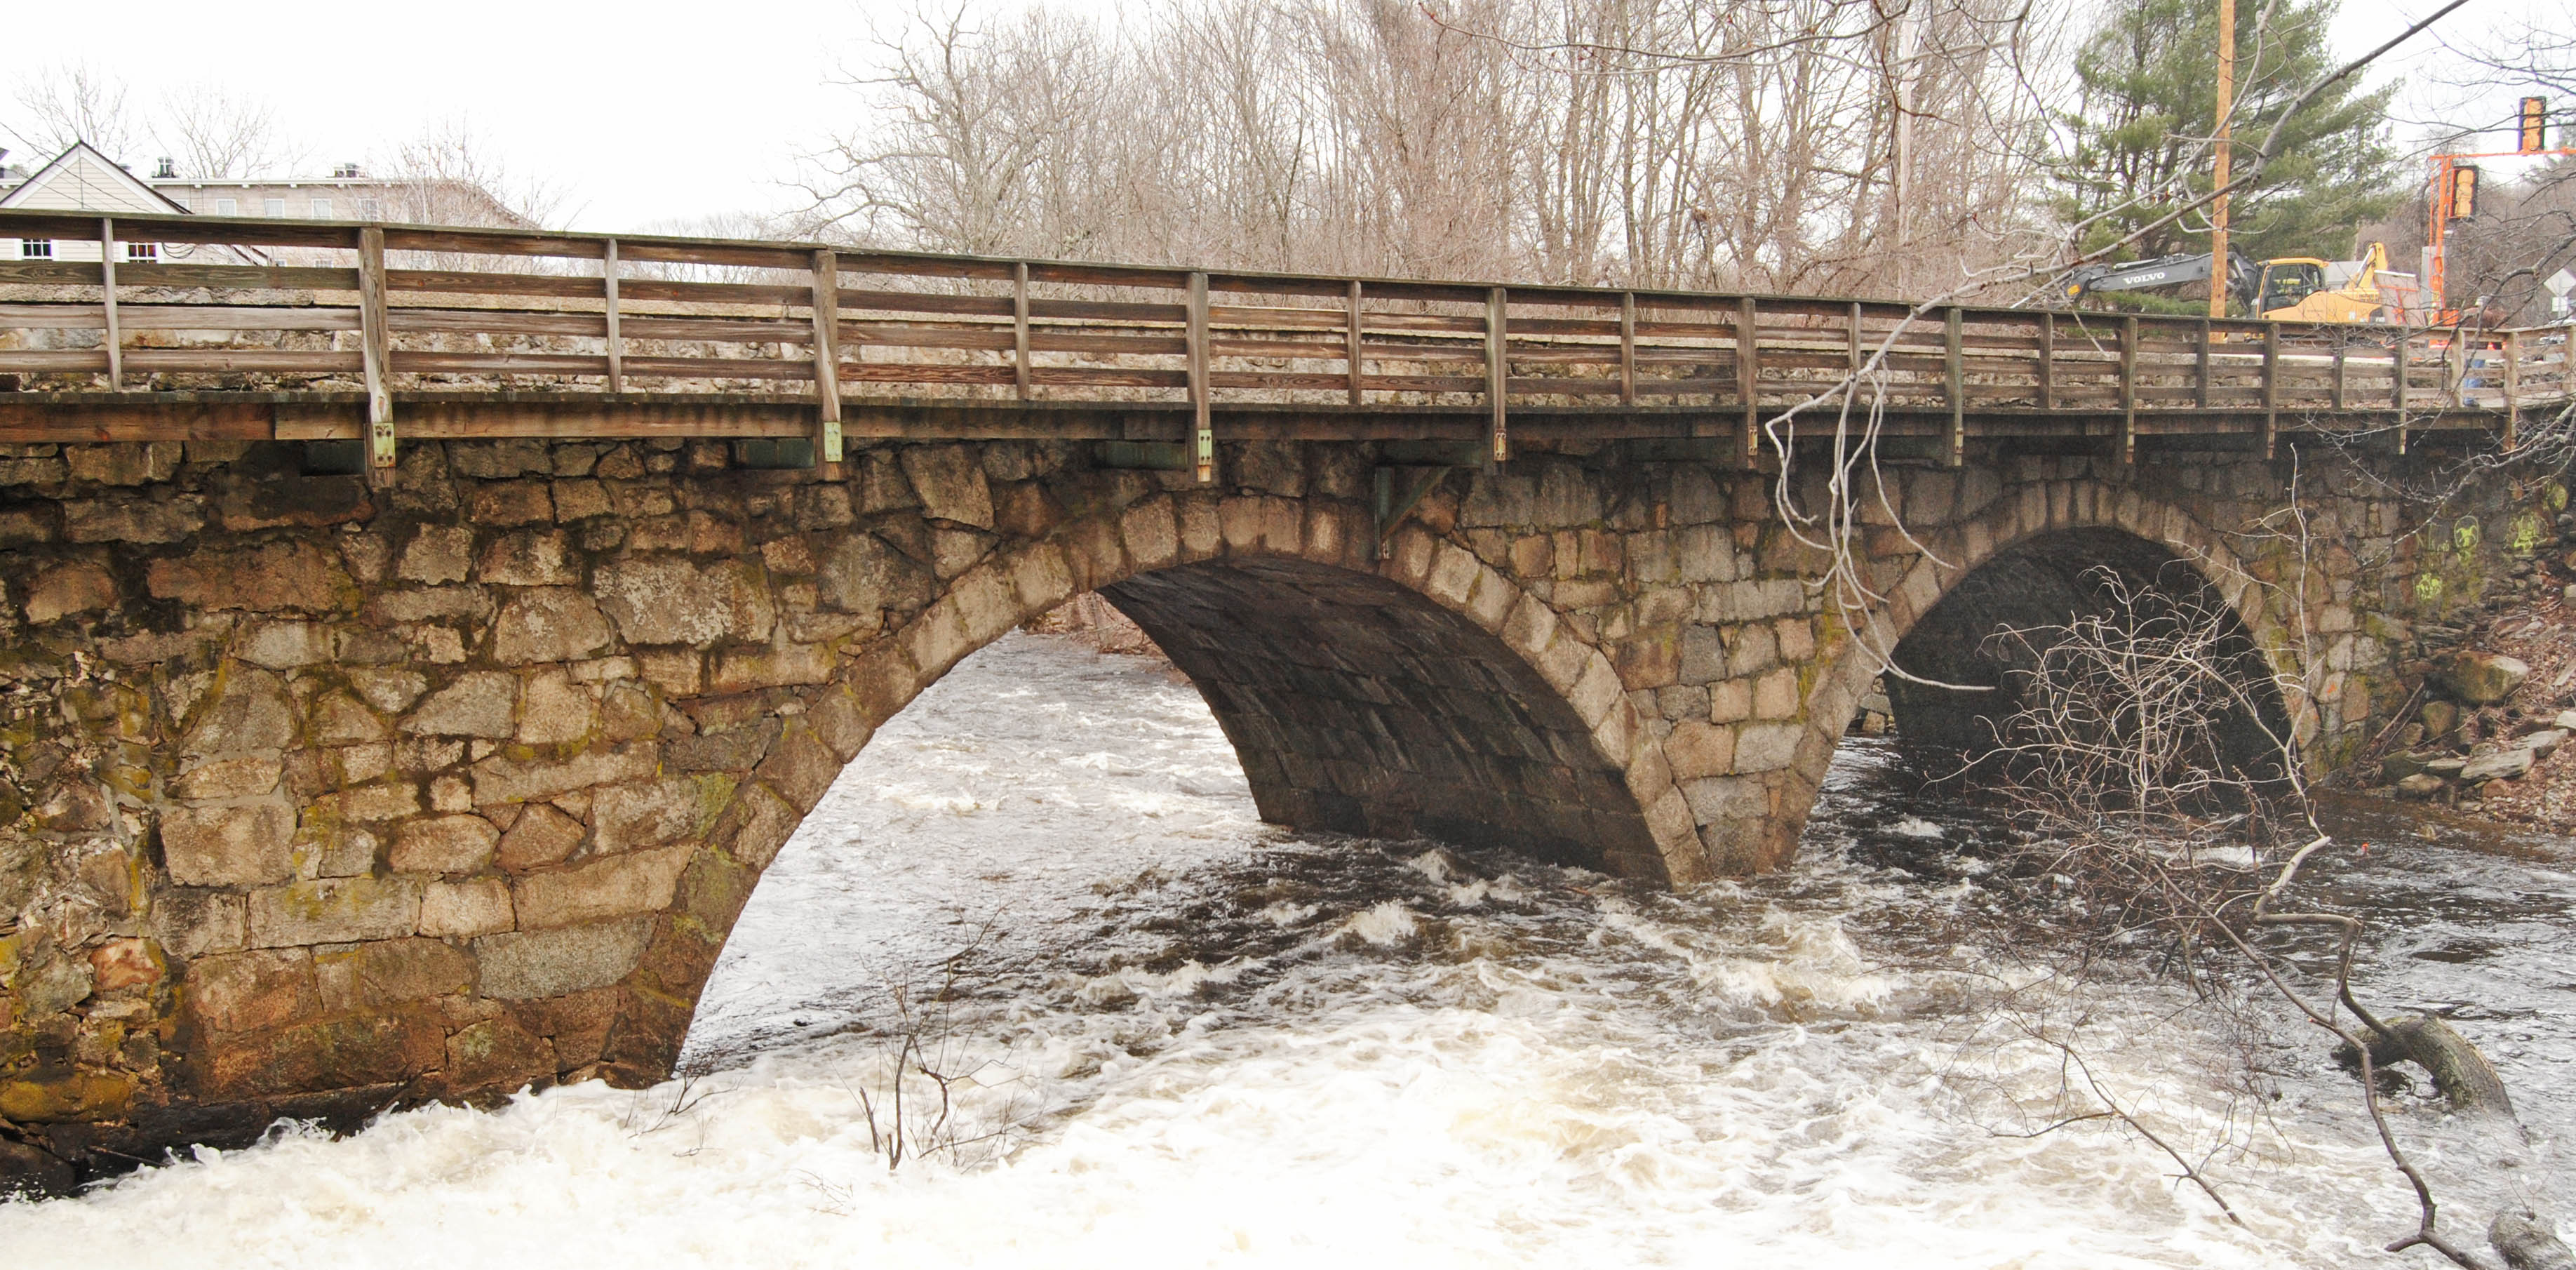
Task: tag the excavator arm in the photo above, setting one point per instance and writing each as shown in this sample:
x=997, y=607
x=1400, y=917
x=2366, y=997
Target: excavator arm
x=2243, y=277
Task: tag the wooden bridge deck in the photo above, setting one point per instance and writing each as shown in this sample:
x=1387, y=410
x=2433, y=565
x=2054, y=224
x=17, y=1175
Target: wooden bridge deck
x=297, y=330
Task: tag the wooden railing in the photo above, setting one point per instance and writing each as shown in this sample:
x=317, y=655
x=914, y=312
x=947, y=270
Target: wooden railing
x=362, y=321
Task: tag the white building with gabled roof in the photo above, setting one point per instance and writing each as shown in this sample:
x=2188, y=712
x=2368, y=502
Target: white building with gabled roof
x=81, y=179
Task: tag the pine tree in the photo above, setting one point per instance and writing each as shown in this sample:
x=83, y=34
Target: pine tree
x=2149, y=94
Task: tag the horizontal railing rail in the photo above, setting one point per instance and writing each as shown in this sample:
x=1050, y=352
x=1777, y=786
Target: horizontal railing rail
x=104, y=308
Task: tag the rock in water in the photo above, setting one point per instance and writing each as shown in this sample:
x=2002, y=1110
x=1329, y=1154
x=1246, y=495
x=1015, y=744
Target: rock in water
x=2480, y=679
x=2526, y=1238
x=2419, y=785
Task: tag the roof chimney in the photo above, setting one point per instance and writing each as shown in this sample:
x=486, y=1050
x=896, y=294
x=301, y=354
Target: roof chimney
x=344, y=172
x=165, y=170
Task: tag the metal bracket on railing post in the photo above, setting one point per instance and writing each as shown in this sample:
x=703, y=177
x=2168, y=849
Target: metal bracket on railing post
x=1203, y=427
x=375, y=356
x=827, y=359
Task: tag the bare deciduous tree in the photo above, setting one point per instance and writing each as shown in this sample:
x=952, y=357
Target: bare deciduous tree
x=212, y=133
x=1792, y=145
x=449, y=174
x=70, y=102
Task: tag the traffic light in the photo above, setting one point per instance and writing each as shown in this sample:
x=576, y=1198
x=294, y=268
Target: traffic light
x=2535, y=125
x=2463, y=192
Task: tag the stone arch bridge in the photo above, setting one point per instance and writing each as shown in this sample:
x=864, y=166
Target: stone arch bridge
x=325, y=792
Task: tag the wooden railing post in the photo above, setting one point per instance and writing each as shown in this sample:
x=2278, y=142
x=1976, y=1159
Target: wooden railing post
x=2048, y=361
x=1627, y=348
x=1498, y=447
x=2455, y=370
x=2271, y=386
x=2200, y=376
x=1020, y=327
x=1203, y=437
x=107, y=301
x=1351, y=342
x=2129, y=389
x=2399, y=375
x=1748, y=375
x=376, y=355
x=827, y=358
x=1954, y=357
x=616, y=338
x=2512, y=388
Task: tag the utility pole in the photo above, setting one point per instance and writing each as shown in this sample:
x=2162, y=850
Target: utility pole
x=2218, y=270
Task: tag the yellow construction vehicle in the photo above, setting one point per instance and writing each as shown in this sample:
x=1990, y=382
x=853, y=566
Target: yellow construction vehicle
x=2287, y=289
x=2305, y=289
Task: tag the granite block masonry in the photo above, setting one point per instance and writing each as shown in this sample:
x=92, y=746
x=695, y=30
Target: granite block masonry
x=319, y=799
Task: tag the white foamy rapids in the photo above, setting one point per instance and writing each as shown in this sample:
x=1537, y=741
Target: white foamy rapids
x=1190, y=1040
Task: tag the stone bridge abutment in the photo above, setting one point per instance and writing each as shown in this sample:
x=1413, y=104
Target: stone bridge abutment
x=321, y=798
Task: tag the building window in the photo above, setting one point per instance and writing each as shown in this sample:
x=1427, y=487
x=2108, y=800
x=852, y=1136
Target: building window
x=35, y=249
x=371, y=209
x=143, y=251
x=227, y=207
x=272, y=207
x=186, y=204
x=321, y=209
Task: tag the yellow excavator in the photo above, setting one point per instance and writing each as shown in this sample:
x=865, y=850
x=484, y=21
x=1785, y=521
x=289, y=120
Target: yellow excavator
x=2287, y=289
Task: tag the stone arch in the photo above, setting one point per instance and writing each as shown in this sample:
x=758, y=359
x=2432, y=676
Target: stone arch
x=2023, y=515
x=1425, y=692
x=2041, y=581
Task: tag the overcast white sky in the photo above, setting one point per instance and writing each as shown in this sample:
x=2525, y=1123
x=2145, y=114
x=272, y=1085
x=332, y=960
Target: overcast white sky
x=644, y=110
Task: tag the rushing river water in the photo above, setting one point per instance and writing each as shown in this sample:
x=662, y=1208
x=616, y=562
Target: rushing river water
x=1186, y=1038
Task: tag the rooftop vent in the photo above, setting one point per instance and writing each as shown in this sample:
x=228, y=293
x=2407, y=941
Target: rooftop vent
x=344, y=172
x=165, y=170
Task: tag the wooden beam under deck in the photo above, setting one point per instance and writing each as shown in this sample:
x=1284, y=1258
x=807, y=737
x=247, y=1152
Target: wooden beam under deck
x=134, y=417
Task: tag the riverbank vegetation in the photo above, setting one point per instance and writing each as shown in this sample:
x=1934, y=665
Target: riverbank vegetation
x=2146, y=843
